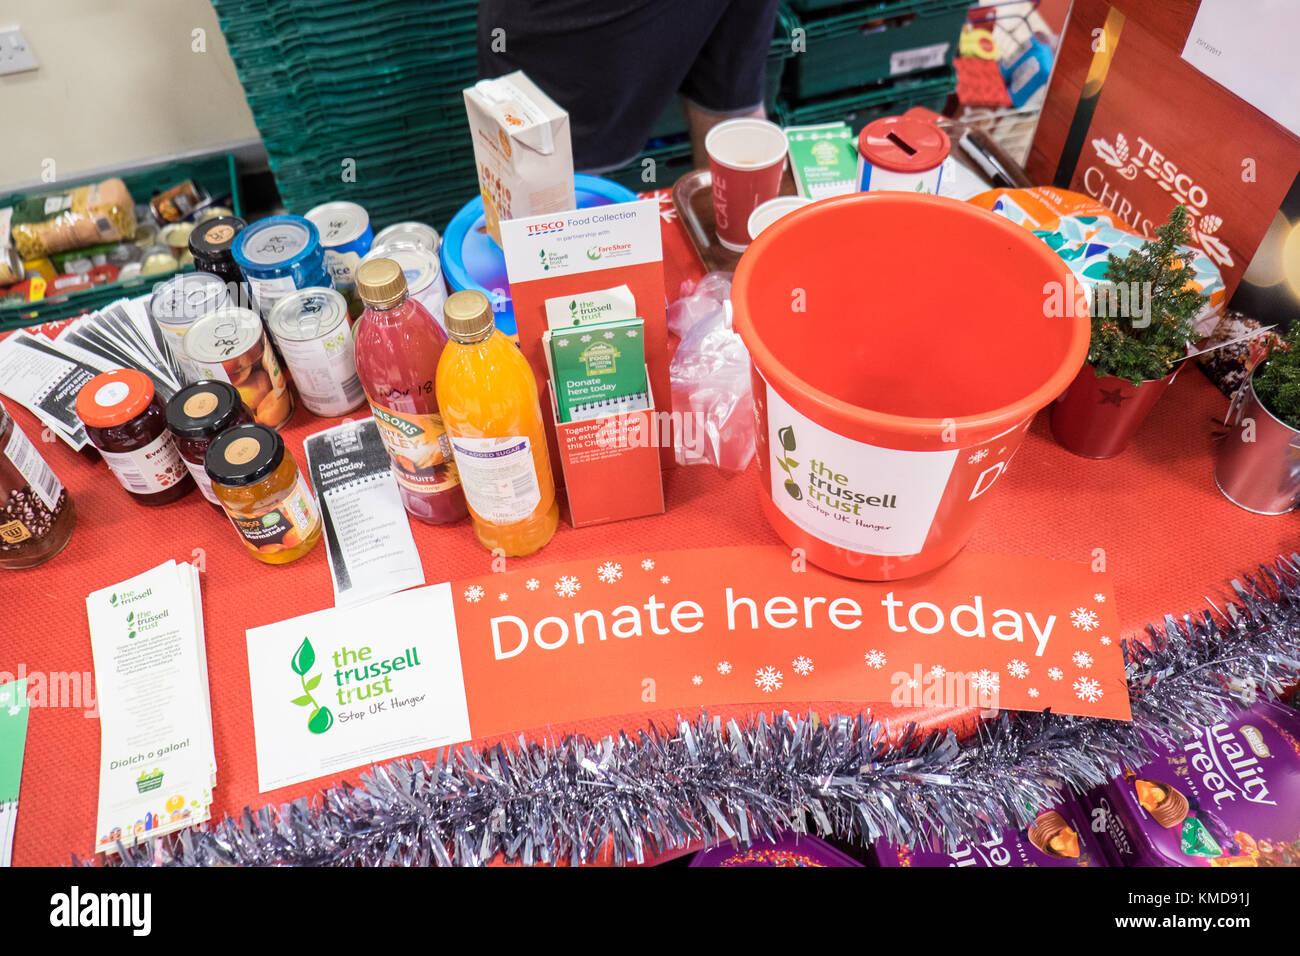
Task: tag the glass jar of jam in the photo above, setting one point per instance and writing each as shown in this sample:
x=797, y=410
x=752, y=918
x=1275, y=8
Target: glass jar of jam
x=126, y=421
x=210, y=244
x=199, y=413
x=267, y=498
x=36, y=514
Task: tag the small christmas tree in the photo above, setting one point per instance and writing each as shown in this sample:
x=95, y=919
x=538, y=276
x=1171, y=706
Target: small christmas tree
x=1278, y=381
x=1158, y=273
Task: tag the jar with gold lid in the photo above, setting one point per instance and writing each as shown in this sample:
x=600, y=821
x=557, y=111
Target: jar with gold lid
x=267, y=498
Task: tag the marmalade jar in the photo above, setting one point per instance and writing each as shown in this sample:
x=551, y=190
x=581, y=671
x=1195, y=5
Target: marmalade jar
x=36, y=514
x=126, y=421
x=267, y=499
x=199, y=413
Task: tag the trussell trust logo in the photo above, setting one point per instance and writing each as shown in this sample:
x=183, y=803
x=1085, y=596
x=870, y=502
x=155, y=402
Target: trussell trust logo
x=1128, y=163
x=824, y=485
x=321, y=718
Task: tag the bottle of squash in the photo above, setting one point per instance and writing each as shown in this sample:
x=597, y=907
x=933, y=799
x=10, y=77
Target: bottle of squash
x=490, y=408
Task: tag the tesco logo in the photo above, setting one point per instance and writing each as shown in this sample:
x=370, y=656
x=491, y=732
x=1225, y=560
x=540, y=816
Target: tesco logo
x=540, y=228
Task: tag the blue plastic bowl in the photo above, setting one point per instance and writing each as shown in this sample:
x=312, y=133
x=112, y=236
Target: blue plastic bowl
x=471, y=260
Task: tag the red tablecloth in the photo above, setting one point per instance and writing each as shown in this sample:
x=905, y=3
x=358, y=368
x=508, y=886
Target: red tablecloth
x=1168, y=537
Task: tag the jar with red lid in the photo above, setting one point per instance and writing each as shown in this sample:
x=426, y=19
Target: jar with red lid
x=126, y=421
x=199, y=413
x=36, y=514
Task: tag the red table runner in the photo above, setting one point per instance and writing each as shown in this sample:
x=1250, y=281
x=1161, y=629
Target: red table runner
x=1167, y=535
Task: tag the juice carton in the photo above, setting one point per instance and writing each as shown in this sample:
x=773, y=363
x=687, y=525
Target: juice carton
x=522, y=150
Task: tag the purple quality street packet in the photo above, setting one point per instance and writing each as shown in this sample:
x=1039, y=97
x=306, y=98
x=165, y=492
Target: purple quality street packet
x=1058, y=837
x=787, y=851
x=1230, y=796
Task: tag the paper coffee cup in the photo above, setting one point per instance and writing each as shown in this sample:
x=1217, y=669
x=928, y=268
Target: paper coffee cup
x=746, y=158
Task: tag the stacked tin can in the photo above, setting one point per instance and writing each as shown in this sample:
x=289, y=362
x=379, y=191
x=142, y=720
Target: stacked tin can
x=310, y=327
x=278, y=255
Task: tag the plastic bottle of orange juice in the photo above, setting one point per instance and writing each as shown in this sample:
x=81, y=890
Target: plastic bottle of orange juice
x=488, y=397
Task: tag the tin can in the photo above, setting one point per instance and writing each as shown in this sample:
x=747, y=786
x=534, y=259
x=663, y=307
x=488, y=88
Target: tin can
x=277, y=255
x=423, y=273
x=416, y=232
x=346, y=235
x=1258, y=467
x=230, y=345
x=310, y=328
x=178, y=303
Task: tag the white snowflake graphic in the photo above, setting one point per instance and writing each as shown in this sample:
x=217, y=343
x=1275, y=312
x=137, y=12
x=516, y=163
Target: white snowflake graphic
x=978, y=457
x=987, y=682
x=1082, y=659
x=473, y=594
x=609, y=572
x=503, y=596
x=631, y=333
x=1085, y=688
x=803, y=666
x=875, y=658
x=1083, y=618
x=532, y=584
x=697, y=680
x=585, y=338
x=1056, y=673
x=665, y=579
x=1099, y=598
x=648, y=564
x=563, y=342
x=1105, y=640
x=768, y=678
x=1017, y=668
x=912, y=683
x=1033, y=692
x=724, y=667
x=567, y=586
x=937, y=671
x=609, y=335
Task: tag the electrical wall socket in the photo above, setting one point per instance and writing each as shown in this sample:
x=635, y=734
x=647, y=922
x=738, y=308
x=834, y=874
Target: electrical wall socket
x=15, y=55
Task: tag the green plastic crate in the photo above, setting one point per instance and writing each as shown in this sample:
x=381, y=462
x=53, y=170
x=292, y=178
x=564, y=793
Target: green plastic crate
x=215, y=173
x=874, y=42
x=861, y=107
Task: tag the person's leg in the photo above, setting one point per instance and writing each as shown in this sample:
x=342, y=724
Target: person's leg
x=614, y=65
x=729, y=77
x=702, y=120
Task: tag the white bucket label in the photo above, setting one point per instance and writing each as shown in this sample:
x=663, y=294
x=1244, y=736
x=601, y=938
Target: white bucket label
x=848, y=493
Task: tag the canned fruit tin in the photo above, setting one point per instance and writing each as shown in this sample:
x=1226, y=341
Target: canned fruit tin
x=417, y=232
x=346, y=236
x=423, y=273
x=278, y=255
x=311, y=330
x=230, y=345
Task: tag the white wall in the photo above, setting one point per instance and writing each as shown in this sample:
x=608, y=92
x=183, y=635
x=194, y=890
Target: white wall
x=119, y=83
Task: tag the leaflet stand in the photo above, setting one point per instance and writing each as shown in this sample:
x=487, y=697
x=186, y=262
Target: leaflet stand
x=611, y=464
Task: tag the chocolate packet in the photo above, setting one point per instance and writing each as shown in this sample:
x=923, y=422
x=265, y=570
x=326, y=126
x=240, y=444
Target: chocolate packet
x=1230, y=796
x=1059, y=836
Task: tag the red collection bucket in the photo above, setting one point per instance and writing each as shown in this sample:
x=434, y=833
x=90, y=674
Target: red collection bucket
x=901, y=346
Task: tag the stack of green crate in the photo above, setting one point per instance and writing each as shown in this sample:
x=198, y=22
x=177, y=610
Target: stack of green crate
x=878, y=58
x=360, y=103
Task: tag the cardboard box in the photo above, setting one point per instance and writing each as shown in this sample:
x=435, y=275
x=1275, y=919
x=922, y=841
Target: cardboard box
x=522, y=150
x=1130, y=122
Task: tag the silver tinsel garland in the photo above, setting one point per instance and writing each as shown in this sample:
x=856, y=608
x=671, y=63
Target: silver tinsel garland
x=627, y=799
